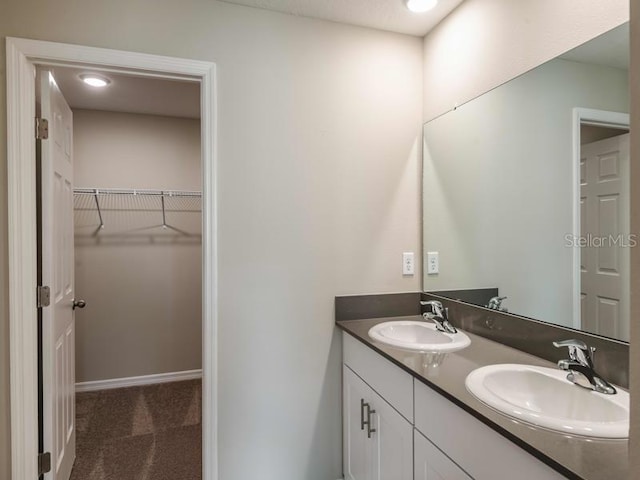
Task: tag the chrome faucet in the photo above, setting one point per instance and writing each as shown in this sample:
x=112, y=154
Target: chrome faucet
x=495, y=303
x=439, y=315
x=581, y=361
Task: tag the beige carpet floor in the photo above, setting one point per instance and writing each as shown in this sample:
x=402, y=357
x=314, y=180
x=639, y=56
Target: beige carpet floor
x=140, y=433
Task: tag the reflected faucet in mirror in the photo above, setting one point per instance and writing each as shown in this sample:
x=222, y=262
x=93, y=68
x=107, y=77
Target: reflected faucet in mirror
x=495, y=303
x=581, y=362
x=439, y=315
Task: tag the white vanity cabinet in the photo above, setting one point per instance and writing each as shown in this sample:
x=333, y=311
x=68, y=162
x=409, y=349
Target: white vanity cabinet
x=397, y=428
x=378, y=443
x=378, y=433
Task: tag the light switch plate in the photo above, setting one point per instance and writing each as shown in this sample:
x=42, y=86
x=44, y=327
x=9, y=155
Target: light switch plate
x=433, y=263
x=408, y=263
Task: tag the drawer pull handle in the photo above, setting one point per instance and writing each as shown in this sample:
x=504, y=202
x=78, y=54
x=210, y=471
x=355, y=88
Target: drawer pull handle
x=368, y=422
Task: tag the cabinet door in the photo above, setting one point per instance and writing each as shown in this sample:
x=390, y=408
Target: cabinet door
x=392, y=442
x=432, y=464
x=356, y=445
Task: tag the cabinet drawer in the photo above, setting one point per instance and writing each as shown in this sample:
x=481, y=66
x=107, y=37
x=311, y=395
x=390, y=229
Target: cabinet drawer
x=389, y=381
x=479, y=450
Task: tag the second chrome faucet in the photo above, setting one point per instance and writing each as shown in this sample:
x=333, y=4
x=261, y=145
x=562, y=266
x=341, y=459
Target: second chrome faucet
x=580, y=362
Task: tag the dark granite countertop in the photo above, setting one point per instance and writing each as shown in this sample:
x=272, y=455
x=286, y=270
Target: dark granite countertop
x=574, y=457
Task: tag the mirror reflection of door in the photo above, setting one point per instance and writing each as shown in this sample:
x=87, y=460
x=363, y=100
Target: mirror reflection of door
x=605, y=231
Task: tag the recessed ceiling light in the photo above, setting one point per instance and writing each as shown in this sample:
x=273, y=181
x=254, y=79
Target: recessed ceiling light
x=95, y=80
x=421, y=6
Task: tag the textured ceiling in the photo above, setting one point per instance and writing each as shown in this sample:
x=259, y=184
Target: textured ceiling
x=391, y=15
x=130, y=94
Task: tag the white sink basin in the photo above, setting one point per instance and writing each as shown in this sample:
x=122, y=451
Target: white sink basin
x=418, y=336
x=544, y=397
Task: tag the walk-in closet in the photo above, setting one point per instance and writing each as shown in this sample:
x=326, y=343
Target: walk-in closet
x=137, y=245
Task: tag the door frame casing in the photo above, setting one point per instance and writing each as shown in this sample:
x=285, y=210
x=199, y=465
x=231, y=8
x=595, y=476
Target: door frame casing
x=599, y=118
x=22, y=57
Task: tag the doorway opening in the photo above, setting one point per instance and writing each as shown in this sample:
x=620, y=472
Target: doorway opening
x=173, y=208
x=122, y=159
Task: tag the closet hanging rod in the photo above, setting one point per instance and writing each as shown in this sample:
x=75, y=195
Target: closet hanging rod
x=136, y=191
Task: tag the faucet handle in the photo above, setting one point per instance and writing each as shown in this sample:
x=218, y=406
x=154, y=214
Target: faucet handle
x=571, y=343
x=578, y=351
x=497, y=300
x=431, y=302
x=435, y=307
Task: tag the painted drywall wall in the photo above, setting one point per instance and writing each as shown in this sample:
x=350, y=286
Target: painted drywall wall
x=319, y=194
x=484, y=43
x=634, y=348
x=5, y=393
x=142, y=283
x=497, y=186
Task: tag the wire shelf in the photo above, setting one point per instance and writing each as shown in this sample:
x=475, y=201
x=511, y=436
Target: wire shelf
x=137, y=210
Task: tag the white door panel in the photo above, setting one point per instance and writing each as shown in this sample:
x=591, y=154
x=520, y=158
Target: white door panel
x=605, y=210
x=57, y=272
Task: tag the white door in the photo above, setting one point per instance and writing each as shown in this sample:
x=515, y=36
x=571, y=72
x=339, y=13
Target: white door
x=58, y=332
x=356, y=445
x=432, y=464
x=392, y=442
x=604, y=225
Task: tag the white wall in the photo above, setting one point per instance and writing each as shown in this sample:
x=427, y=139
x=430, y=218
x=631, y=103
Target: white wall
x=484, y=43
x=319, y=194
x=497, y=186
x=634, y=348
x=142, y=285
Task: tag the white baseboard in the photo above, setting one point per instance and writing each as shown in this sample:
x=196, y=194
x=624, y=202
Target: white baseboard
x=137, y=381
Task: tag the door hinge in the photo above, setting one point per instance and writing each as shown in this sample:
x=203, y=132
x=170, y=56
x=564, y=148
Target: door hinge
x=44, y=463
x=43, y=296
x=42, y=129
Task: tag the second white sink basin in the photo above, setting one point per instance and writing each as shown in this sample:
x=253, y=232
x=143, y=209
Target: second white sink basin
x=544, y=397
x=418, y=336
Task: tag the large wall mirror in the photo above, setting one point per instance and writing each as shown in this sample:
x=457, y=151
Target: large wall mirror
x=526, y=193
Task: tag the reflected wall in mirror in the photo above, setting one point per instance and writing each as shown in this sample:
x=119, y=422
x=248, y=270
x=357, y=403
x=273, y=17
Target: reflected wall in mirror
x=526, y=190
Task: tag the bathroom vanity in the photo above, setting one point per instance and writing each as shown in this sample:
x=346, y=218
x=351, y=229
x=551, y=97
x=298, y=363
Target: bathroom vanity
x=517, y=184
x=406, y=415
